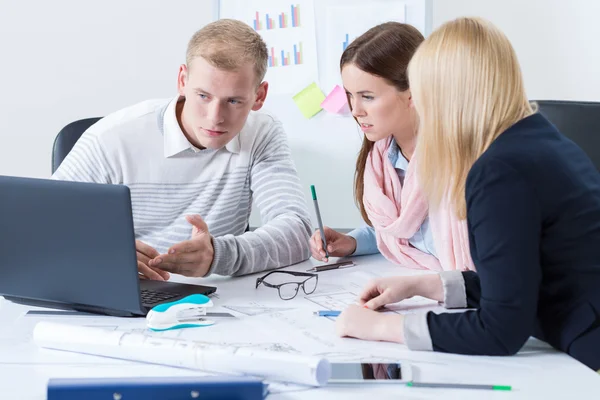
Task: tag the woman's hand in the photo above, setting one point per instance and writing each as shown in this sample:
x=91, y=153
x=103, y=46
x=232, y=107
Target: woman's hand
x=361, y=323
x=382, y=291
x=338, y=244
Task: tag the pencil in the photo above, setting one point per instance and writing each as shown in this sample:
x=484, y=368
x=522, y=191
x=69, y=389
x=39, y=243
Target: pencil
x=457, y=386
x=319, y=221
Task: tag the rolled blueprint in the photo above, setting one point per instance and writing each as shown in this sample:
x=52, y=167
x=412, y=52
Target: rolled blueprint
x=276, y=366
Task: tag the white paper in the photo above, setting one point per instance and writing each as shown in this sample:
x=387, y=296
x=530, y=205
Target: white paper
x=278, y=366
x=353, y=285
x=300, y=72
x=253, y=308
x=346, y=23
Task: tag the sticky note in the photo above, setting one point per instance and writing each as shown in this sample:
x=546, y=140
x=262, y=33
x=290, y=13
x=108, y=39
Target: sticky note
x=309, y=100
x=335, y=101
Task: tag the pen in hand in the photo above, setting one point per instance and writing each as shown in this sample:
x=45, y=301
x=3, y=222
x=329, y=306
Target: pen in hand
x=319, y=221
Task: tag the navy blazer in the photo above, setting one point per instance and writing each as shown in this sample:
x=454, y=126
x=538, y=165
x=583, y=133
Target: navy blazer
x=533, y=214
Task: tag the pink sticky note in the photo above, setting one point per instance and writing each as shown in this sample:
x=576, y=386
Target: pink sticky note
x=335, y=101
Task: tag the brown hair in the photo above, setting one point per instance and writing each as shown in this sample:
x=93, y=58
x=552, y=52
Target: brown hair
x=227, y=44
x=385, y=51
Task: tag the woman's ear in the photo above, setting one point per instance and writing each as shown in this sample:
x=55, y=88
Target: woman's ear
x=409, y=100
x=406, y=99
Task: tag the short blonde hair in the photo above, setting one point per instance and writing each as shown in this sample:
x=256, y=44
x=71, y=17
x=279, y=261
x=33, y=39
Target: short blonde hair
x=467, y=88
x=228, y=44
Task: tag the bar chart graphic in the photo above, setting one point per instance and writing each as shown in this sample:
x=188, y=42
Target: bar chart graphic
x=343, y=23
x=282, y=20
x=346, y=42
x=288, y=29
x=283, y=58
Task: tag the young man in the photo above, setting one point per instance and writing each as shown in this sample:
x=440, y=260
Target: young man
x=195, y=164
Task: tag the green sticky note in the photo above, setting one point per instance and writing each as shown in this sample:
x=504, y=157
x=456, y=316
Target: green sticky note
x=309, y=100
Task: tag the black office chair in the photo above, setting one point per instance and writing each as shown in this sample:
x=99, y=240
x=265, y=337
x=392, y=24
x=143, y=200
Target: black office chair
x=66, y=138
x=579, y=121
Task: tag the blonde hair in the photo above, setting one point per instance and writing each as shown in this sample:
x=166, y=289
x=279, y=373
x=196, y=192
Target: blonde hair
x=228, y=44
x=467, y=88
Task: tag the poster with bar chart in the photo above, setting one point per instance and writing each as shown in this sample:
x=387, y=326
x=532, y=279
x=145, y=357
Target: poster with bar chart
x=343, y=24
x=283, y=58
x=288, y=29
x=280, y=20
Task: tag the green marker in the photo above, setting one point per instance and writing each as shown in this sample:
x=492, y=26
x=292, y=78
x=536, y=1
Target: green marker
x=457, y=386
x=316, y=203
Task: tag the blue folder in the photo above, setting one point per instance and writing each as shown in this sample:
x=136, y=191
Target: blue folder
x=171, y=388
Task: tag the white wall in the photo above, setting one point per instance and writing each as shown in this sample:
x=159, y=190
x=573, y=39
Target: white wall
x=325, y=147
x=556, y=41
x=64, y=60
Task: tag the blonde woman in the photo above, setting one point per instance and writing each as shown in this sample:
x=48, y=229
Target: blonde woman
x=531, y=199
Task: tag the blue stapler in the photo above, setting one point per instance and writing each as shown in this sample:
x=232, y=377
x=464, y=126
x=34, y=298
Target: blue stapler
x=188, y=312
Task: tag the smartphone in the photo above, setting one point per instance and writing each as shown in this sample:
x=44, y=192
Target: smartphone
x=370, y=373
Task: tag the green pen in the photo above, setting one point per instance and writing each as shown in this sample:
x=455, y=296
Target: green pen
x=457, y=386
x=319, y=221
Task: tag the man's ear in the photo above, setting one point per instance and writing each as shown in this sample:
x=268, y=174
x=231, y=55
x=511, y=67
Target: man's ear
x=261, y=96
x=182, y=79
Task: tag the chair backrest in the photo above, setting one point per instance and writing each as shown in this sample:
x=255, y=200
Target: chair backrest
x=577, y=120
x=66, y=138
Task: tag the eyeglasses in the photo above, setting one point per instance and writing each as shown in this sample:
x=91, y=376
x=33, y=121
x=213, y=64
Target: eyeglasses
x=289, y=290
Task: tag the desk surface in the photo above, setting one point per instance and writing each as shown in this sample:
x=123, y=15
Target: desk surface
x=264, y=320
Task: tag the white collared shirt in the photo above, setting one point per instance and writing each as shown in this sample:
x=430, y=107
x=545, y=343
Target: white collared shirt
x=174, y=139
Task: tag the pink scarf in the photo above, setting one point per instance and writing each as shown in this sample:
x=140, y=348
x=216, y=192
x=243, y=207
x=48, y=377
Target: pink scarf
x=397, y=212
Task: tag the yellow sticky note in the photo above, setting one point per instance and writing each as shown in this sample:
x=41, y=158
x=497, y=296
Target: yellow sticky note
x=309, y=100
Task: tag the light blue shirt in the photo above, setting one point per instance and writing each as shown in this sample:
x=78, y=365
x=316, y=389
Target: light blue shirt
x=366, y=243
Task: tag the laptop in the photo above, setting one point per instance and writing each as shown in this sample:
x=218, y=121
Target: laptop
x=71, y=245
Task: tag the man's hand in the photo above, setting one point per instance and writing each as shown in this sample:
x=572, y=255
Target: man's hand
x=145, y=253
x=192, y=257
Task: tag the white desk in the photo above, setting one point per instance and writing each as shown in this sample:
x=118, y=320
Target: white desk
x=536, y=372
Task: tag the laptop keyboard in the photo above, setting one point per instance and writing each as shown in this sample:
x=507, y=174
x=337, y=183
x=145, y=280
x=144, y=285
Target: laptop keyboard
x=153, y=297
